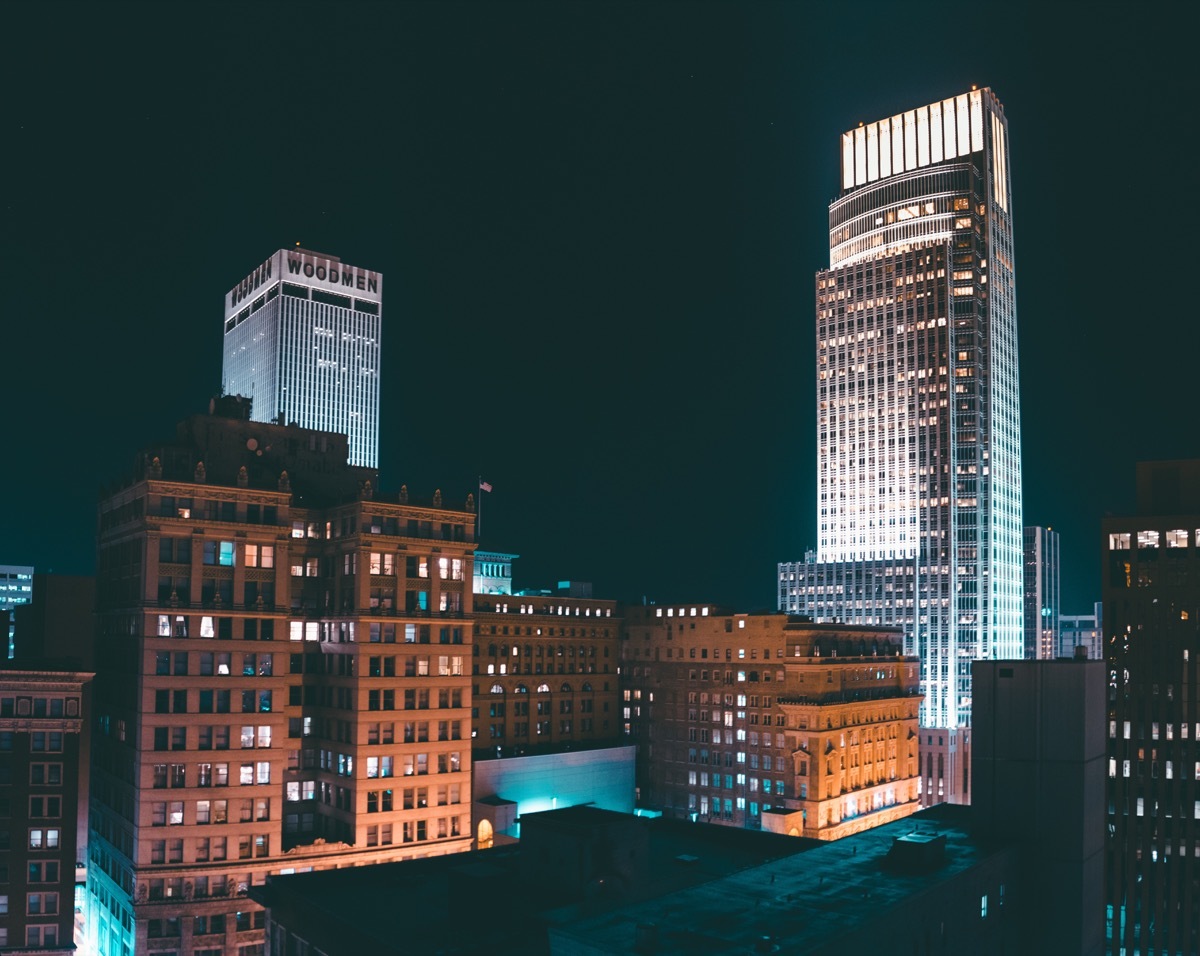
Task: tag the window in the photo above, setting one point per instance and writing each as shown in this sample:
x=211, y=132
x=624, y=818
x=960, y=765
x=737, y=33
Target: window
x=219, y=553
x=40, y=839
x=260, y=556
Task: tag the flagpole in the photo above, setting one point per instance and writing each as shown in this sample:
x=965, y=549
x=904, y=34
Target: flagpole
x=479, y=511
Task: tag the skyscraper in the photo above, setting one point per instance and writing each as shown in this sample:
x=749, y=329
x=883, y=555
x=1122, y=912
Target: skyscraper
x=301, y=339
x=1151, y=622
x=1043, y=602
x=919, y=446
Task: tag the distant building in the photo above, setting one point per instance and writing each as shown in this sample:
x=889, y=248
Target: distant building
x=945, y=759
x=1082, y=630
x=762, y=720
x=1151, y=587
x=284, y=657
x=41, y=719
x=16, y=588
x=1043, y=596
x=302, y=340
x=493, y=572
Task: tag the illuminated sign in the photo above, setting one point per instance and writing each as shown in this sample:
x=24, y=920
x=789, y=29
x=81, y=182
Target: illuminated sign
x=255, y=279
x=300, y=267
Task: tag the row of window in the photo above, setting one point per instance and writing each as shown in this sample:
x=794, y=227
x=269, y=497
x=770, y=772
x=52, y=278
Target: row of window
x=39, y=871
x=39, y=706
x=170, y=813
x=39, y=807
x=40, y=741
x=174, y=776
x=36, y=935
x=1177, y=538
x=213, y=663
x=543, y=728
x=209, y=925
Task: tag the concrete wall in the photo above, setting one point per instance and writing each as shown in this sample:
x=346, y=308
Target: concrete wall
x=603, y=778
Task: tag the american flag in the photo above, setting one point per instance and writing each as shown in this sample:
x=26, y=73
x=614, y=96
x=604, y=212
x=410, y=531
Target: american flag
x=484, y=486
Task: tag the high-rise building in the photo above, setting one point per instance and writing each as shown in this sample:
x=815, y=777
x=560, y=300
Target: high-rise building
x=301, y=339
x=284, y=681
x=1043, y=598
x=919, y=445
x=767, y=722
x=1151, y=588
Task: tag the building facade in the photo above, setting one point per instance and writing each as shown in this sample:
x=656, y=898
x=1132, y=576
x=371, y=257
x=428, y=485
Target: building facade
x=766, y=722
x=1043, y=594
x=16, y=588
x=302, y=340
x=545, y=671
x=493, y=572
x=1083, y=630
x=284, y=681
x=1151, y=588
x=919, y=460
x=41, y=719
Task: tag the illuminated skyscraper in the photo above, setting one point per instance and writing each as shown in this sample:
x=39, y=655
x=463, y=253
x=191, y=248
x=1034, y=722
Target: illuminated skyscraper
x=919, y=444
x=302, y=340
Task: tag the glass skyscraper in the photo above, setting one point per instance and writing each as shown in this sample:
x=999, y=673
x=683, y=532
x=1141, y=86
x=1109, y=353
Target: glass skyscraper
x=302, y=338
x=919, y=444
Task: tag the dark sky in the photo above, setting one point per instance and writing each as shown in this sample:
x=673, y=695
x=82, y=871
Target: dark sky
x=598, y=226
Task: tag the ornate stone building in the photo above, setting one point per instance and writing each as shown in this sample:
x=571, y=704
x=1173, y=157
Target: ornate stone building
x=766, y=721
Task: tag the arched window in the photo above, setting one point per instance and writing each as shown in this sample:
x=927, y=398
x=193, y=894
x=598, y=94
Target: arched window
x=522, y=689
x=543, y=688
x=497, y=689
x=566, y=688
x=587, y=688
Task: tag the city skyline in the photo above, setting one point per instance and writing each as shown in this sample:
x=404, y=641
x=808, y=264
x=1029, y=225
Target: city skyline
x=602, y=222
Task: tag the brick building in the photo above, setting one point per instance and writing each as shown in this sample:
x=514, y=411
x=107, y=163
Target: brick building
x=279, y=645
x=545, y=673
x=41, y=717
x=767, y=721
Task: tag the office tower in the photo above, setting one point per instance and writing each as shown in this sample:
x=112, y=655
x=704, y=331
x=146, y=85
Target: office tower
x=1043, y=599
x=1082, y=630
x=284, y=680
x=41, y=719
x=1151, y=588
x=919, y=457
x=301, y=339
x=16, y=588
x=763, y=721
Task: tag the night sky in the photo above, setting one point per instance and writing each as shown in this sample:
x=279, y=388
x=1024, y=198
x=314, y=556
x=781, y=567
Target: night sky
x=598, y=227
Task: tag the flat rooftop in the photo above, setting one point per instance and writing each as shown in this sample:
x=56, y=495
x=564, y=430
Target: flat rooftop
x=791, y=904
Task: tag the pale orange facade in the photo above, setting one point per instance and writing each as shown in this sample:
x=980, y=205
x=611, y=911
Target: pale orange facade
x=766, y=721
